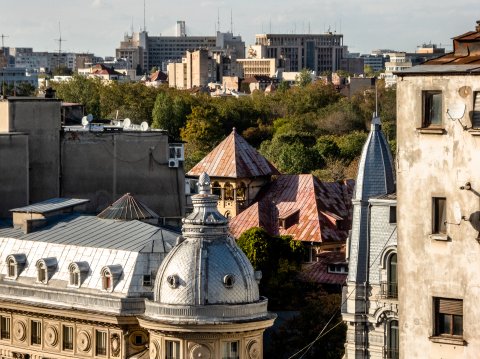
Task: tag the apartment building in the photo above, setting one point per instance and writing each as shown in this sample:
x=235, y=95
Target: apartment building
x=438, y=128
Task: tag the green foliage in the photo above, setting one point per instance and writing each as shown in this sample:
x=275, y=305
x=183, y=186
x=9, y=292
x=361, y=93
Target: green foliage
x=351, y=144
x=301, y=330
x=304, y=78
x=62, y=71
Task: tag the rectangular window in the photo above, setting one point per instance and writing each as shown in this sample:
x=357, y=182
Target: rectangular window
x=172, y=349
x=67, y=337
x=36, y=332
x=439, y=215
x=230, y=350
x=448, y=316
x=101, y=343
x=4, y=327
x=393, y=214
x=432, y=108
x=476, y=110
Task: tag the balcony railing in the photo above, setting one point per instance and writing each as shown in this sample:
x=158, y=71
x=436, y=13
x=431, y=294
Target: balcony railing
x=389, y=290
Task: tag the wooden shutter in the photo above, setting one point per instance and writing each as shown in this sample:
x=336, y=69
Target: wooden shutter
x=450, y=306
x=476, y=110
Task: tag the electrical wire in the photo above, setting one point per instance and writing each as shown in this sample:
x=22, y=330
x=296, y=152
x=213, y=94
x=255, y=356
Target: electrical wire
x=319, y=336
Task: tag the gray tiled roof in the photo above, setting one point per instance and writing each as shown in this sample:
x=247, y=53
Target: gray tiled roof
x=51, y=205
x=127, y=208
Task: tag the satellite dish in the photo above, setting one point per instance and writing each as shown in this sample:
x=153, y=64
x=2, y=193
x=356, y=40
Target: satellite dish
x=144, y=126
x=456, y=111
x=89, y=117
x=84, y=121
x=457, y=213
x=127, y=123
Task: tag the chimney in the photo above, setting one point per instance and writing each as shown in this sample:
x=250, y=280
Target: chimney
x=477, y=28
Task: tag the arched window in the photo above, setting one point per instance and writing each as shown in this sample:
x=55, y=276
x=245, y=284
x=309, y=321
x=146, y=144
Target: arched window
x=392, y=339
x=217, y=190
x=110, y=275
x=15, y=264
x=241, y=192
x=229, y=192
x=45, y=269
x=392, y=279
x=77, y=273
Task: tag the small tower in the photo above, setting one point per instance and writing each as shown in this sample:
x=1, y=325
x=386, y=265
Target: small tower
x=206, y=298
x=371, y=232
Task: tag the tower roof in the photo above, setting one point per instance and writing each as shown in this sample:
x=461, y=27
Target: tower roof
x=128, y=208
x=234, y=158
x=376, y=174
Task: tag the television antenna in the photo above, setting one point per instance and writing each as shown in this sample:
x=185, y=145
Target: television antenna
x=3, y=38
x=60, y=40
x=456, y=112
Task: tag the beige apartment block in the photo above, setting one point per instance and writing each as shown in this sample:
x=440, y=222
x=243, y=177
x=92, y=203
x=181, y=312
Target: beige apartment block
x=438, y=172
x=258, y=67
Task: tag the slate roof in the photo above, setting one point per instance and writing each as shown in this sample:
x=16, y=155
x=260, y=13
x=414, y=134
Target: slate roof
x=158, y=76
x=128, y=208
x=234, y=158
x=318, y=272
x=320, y=207
x=51, y=205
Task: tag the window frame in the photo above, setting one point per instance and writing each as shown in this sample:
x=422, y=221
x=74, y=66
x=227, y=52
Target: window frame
x=439, y=216
x=67, y=339
x=476, y=110
x=35, y=332
x=5, y=327
x=450, y=309
x=428, y=107
x=101, y=342
x=172, y=349
x=227, y=352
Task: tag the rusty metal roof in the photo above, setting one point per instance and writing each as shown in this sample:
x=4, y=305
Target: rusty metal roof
x=324, y=209
x=234, y=158
x=128, y=208
x=318, y=272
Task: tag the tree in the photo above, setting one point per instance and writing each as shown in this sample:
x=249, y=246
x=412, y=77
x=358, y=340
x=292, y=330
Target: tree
x=304, y=78
x=81, y=90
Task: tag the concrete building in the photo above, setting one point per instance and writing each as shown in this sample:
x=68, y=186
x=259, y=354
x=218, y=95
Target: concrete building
x=15, y=76
x=438, y=113
x=376, y=62
x=398, y=61
x=40, y=159
x=104, y=286
x=258, y=67
x=370, y=301
x=197, y=69
x=317, y=52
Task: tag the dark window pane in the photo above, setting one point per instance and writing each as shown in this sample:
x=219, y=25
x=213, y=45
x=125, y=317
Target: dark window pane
x=436, y=111
x=457, y=325
x=445, y=323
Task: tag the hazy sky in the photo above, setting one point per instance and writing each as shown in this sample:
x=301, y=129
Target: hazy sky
x=99, y=25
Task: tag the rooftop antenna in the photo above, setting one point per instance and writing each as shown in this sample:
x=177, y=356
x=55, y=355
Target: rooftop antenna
x=3, y=37
x=270, y=28
x=309, y=28
x=60, y=40
x=131, y=27
x=218, y=19
x=144, y=12
x=231, y=21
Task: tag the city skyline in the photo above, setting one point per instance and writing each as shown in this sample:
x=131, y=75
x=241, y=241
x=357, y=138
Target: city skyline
x=99, y=25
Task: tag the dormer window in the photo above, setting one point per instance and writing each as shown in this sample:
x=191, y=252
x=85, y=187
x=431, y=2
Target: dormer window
x=15, y=264
x=45, y=269
x=289, y=218
x=229, y=280
x=110, y=275
x=77, y=273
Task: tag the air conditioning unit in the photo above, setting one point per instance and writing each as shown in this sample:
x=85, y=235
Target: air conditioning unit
x=172, y=163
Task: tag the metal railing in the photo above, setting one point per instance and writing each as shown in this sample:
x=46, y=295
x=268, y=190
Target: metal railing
x=389, y=290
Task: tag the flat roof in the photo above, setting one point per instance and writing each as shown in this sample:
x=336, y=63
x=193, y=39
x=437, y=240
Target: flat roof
x=51, y=205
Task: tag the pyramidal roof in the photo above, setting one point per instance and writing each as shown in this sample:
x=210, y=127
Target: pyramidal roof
x=234, y=158
x=376, y=174
x=127, y=208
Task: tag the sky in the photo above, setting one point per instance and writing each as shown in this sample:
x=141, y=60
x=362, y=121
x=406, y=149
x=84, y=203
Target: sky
x=98, y=26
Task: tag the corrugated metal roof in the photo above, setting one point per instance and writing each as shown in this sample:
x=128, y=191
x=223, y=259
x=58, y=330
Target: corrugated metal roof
x=51, y=205
x=450, y=68
x=234, y=158
x=90, y=231
x=320, y=205
x=128, y=208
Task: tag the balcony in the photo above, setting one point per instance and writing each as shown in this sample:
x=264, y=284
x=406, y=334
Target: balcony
x=388, y=290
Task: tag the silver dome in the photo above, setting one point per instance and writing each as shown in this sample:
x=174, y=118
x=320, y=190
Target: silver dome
x=206, y=267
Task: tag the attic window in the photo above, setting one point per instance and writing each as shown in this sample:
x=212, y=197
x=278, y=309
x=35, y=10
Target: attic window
x=172, y=281
x=110, y=276
x=77, y=273
x=147, y=280
x=15, y=264
x=45, y=269
x=341, y=268
x=229, y=280
x=289, y=218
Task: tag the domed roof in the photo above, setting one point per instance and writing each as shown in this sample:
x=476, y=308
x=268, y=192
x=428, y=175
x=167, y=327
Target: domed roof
x=206, y=267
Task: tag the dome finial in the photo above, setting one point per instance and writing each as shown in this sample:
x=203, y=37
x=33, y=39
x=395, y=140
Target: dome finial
x=204, y=186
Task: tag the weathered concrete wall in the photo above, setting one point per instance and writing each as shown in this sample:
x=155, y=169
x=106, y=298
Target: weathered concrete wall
x=104, y=166
x=40, y=119
x=437, y=164
x=13, y=171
